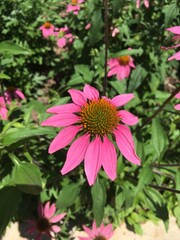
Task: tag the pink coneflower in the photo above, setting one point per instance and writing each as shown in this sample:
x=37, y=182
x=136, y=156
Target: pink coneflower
x=88, y=26
x=101, y=233
x=114, y=31
x=176, y=31
x=74, y=6
x=44, y=224
x=98, y=121
x=120, y=66
x=64, y=37
x=177, y=106
x=13, y=93
x=3, y=109
x=47, y=29
x=146, y=3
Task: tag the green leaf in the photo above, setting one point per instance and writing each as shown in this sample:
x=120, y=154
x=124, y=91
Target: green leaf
x=18, y=134
x=138, y=51
x=68, y=195
x=96, y=27
x=171, y=11
x=159, y=138
x=137, y=77
x=27, y=177
x=4, y=76
x=12, y=48
x=10, y=198
x=119, y=86
x=85, y=72
x=98, y=193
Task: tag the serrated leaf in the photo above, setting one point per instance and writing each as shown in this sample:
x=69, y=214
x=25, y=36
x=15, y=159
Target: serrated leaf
x=12, y=48
x=68, y=195
x=10, y=198
x=98, y=193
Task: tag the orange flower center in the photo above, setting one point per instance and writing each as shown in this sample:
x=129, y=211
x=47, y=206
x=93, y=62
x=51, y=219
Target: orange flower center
x=99, y=117
x=99, y=237
x=74, y=2
x=11, y=89
x=43, y=225
x=124, y=60
x=47, y=25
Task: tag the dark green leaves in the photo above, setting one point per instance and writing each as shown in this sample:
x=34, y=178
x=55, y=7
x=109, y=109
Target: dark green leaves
x=137, y=77
x=98, y=193
x=12, y=48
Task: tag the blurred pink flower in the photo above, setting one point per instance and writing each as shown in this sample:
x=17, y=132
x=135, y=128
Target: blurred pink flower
x=114, y=31
x=146, y=3
x=74, y=6
x=177, y=106
x=88, y=26
x=98, y=233
x=3, y=109
x=120, y=66
x=176, y=31
x=98, y=121
x=64, y=37
x=13, y=93
x=44, y=224
x=47, y=30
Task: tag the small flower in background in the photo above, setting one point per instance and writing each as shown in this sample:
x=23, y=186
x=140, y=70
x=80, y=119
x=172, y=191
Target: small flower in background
x=43, y=226
x=97, y=120
x=120, y=66
x=88, y=26
x=177, y=106
x=47, y=29
x=64, y=37
x=74, y=6
x=176, y=31
x=13, y=93
x=146, y=3
x=98, y=233
x=3, y=109
x=114, y=31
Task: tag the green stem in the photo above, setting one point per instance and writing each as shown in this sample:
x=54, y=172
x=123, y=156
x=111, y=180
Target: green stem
x=106, y=45
x=14, y=159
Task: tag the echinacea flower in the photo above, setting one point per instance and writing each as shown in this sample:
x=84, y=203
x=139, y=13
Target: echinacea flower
x=146, y=3
x=13, y=93
x=3, y=109
x=74, y=6
x=47, y=29
x=120, y=66
x=98, y=233
x=177, y=106
x=176, y=31
x=44, y=224
x=63, y=37
x=97, y=120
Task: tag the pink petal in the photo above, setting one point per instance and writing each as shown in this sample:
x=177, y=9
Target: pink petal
x=146, y=3
x=122, y=99
x=20, y=94
x=125, y=144
x=77, y=96
x=175, y=29
x=177, y=107
x=109, y=157
x=57, y=218
x=177, y=95
x=93, y=160
x=175, y=56
x=137, y=3
x=61, y=120
x=65, y=108
x=61, y=42
x=89, y=232
x=85, y=238
x=49, y=210
x=76, y=153
x=55, y=228
x=64, y=137
x=90, y=92
x=108, y=230
x=3, y=113
x=128, y=118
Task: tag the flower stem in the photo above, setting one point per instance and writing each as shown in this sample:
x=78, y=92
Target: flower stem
x=106, y=45
x=161, y=107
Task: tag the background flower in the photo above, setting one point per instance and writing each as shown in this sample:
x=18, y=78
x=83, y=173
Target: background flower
x=146, y=3
x=3, y=109
x=177, y=106
x=47, y=29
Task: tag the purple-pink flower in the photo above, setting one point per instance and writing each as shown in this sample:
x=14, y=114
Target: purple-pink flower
x=98, y=233
x=146, y=3
x=13, y=93
x=44, y=224
x=47, y=29
x=114, y=31
x=97, y=122
x=120, y=66
x=64, y=37
x=75, y=6
x=177, y=106
x=3, y=109
x=176, y=31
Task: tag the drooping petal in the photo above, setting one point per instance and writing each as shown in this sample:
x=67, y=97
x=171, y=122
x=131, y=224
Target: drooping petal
x=137, y=3
x=78, y=97
x=125, y=144
x=177, y=95
x=175, y=56
x=90, y=92
x=177, y=107
x=65, y=108
x=109, y=157
x=122, y=99
x=55, y=228
x=64, y=137
x=175, y=29
x=49, y=210
x=57, y=218
x=76, y=153
x=93, y=160
x=20, y=94
x=61, y=120
x=128, y=118
x=146, y=3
